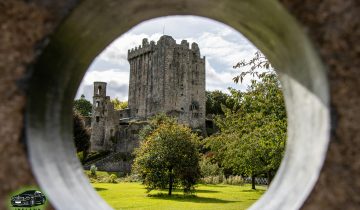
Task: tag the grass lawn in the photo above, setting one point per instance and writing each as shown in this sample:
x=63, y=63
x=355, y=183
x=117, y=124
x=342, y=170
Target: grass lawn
x=125, y=195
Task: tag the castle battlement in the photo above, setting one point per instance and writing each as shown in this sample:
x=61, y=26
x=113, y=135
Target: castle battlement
x=164, y=40
x=133, y=53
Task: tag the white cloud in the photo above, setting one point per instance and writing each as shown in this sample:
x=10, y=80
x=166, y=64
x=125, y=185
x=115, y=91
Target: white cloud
x=116, y=79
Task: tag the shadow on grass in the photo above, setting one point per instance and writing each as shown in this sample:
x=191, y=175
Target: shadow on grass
x=100, y=189
x=257, y=190
x=215, y=185
x=206, y=191
x=188, y=198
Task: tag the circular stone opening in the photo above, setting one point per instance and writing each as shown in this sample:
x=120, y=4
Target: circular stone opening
x=93, y=25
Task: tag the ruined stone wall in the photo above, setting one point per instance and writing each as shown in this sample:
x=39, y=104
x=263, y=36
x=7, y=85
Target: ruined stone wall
x=104, y=121
x=98, y=118
x=111, y=125
x=128, y=137
x=116, y=162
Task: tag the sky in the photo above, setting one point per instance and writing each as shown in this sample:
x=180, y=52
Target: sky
x=222, y=46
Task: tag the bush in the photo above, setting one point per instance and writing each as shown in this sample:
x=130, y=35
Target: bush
x=93, y=170
x=112, y=178
x=234, y=180
x=221, y=179
x=209, y=169
x=213, y=179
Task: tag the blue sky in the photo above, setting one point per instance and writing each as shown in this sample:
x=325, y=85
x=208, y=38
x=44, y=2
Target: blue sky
x=220, y=44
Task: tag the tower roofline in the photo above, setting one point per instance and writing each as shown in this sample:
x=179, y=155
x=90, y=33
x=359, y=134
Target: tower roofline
x=146, y=47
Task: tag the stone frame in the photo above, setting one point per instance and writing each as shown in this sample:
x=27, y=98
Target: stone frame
x=305, y=87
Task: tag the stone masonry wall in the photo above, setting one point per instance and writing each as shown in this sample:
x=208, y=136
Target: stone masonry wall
x=170, y=78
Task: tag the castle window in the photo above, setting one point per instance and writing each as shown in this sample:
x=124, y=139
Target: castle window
x=99, y=90
x=194, y=105
x=97, y=103
x=97, y=118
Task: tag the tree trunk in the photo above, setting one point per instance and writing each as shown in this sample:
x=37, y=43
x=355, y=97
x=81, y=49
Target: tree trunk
x=171, y=181
x=253, y=182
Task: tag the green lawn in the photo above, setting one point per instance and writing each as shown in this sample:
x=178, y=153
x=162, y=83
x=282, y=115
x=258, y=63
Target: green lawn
x=125, y=195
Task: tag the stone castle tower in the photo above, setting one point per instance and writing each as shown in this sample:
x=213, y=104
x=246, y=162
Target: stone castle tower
x=170, y=78
x=104, y=119
x=165, y=77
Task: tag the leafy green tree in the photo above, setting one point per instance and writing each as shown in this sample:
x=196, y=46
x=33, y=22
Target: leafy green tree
x=83, y=106
x=118, y=105
x=81, y=135
x=215, y=100
x=253, y=131
x=168, y=157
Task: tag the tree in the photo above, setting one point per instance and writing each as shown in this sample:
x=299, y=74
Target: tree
x=258, y=62
x=253, y=131
x=83, y=106
x=168, y=158
x=81, y=135
x=118, y=105
x=214, y=100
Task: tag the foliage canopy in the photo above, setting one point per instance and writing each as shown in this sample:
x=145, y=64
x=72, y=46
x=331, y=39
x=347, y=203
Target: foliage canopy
x=83, y=106
x=253, y=131
x=118, y=105
x=81, y=135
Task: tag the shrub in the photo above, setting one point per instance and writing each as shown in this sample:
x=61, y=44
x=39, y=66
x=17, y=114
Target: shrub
x=209, y=169
x=221, y=179
x=112, y=178
x=93, y=170
x=212, y=179
x=234, y=180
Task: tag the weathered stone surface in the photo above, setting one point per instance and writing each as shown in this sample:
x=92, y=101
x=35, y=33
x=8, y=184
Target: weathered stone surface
x=24, y=27
x=169, y=78
x=334, y=28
